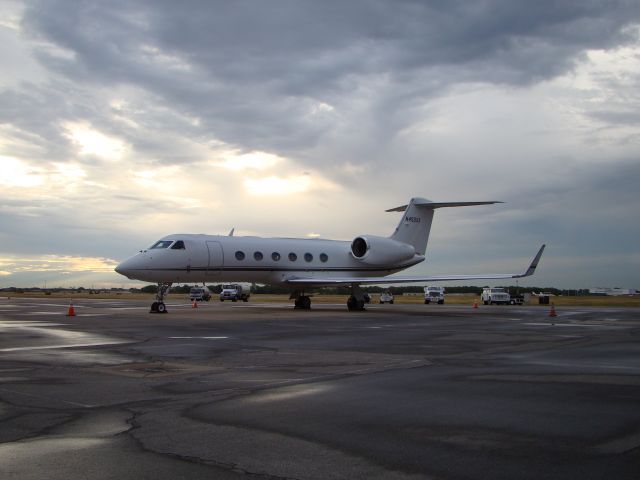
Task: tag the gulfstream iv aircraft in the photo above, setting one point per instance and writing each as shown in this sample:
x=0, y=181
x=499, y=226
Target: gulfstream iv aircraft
x=299, y=263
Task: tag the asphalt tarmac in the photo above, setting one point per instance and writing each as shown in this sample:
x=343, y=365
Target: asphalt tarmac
x=264, y=391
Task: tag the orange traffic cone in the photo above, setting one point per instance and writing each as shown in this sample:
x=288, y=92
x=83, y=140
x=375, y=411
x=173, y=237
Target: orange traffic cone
x=552, y=312
x=72, y=311
x=195, y=304
x=475, y=304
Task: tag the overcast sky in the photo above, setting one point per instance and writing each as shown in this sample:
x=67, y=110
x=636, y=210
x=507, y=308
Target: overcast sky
x=121, y=122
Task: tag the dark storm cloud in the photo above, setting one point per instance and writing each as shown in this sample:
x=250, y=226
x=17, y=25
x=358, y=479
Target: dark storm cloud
x=34, y=113
x=594, y=211
x=253, y=72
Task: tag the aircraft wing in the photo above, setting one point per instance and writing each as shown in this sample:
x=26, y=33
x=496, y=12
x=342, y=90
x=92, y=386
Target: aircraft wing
x=320, y=281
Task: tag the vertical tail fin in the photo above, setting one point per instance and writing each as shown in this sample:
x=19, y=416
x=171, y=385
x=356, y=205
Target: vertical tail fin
x=415, y=225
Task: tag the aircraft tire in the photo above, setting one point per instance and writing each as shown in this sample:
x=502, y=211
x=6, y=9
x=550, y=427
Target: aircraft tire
x=353, y=304
x=306, y=303
x=154, y=307
x=302, y=303
x=162, y=308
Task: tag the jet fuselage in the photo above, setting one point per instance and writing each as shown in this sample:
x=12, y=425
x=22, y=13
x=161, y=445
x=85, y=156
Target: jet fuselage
x=216, y=258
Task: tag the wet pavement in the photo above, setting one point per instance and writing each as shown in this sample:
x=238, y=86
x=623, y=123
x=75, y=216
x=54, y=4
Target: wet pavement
x=265, y=391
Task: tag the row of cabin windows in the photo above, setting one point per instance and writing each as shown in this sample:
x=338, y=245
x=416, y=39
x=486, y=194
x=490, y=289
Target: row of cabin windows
x=275, y=256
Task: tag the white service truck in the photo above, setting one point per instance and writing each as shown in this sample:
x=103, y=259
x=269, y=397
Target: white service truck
x=434, y=294
x=199, y=294
x=491, y=295
x=234, y=292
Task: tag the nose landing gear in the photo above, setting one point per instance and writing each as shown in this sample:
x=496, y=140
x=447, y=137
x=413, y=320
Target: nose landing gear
x=158, y=306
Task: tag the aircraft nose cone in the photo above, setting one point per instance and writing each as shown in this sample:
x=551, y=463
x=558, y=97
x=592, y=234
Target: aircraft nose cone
x=121, y=268
x=128, y=266
x=134, y=267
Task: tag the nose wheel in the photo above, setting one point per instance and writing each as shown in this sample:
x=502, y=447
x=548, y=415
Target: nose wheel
x=158, y=306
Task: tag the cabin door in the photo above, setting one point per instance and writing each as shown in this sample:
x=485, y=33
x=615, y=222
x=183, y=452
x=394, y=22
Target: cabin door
x=216, y=259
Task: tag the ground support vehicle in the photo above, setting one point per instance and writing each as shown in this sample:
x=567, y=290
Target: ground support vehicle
x=234, y=292
x=491, y=295
x=517, y=300
x=434, y=294
x=199, y=294
x=386, y=297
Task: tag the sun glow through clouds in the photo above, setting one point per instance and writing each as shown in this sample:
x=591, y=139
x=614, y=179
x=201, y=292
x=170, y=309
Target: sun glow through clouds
x=56, y=263
x=274, y=185
x=253, y=160
x=17, y=173
x=93, y=142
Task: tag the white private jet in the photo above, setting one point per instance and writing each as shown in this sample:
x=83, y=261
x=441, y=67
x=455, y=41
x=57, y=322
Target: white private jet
x=298, y=263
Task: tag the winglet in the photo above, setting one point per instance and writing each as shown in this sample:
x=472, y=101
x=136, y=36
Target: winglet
x=534, y=264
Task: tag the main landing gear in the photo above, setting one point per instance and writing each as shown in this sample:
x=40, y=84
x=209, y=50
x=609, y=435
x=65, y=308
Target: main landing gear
x=302, y=301
x=158, y=306
x=356, y=300
x=355, y=303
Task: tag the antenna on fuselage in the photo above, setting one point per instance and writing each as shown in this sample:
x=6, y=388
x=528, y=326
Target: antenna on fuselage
x=231, y=232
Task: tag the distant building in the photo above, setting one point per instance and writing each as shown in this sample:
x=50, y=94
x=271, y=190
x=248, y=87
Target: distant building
x=613, y=291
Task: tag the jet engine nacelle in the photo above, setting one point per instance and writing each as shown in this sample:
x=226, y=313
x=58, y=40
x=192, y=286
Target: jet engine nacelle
x=374, y=250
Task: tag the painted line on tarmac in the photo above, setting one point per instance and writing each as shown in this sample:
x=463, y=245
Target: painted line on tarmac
x=55, y=347
x=127, y=308
x=595, y=366
x=40, y=313
x=584, y=325
x=205, y=338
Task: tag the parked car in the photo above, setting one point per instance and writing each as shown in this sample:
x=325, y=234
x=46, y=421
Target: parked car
x=386, y=297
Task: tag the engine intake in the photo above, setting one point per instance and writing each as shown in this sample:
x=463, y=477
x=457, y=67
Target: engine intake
x=359, y=247
x=382, y=251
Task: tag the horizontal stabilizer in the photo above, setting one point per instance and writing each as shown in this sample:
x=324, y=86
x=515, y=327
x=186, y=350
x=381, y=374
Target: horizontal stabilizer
x=433, y=205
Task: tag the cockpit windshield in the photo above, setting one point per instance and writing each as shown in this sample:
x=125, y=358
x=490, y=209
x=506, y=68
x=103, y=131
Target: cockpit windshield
x=161, y=244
